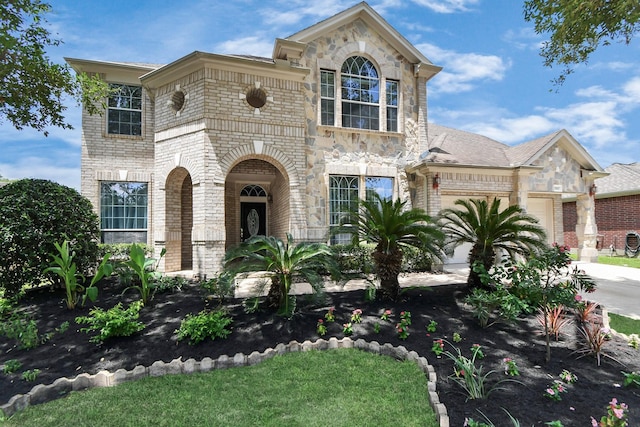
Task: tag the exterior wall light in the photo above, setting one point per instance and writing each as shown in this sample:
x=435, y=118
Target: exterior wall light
x=592, y=190
x=436, y=182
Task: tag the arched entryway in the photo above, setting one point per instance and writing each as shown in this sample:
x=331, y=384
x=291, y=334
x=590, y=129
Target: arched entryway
x=256, y=201
x=179, y=221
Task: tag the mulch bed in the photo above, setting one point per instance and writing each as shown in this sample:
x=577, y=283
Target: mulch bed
x=70, y=353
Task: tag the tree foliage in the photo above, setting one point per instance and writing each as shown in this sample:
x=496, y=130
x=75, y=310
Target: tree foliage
x=392, y=227
x=577, y=28
x=34, y=215
x=489, y=229
x=32, y=87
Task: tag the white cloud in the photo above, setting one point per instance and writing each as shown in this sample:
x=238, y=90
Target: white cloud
x=523, y=38
x=462, y=71
x=447, y=6
x=252, y=45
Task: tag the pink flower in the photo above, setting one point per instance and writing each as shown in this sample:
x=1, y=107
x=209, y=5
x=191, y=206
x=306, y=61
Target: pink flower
x=619, y=413
x=594, y=423
x=578, y=298
x=387, y=312
x=550, y=391
x=320, y=321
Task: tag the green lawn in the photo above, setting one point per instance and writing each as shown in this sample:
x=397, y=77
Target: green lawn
x=343, y=387
x=623, y=324
x=620, y=260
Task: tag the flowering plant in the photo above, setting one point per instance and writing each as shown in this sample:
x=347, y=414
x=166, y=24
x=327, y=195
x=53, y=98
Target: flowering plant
x=554, y=390
x=456, y=337
x=401, y=328
x=321, y=328
x=431, y=327
x=356, y=316
x=437, y=347
x=616, y=415
x=476, y=351
x=330, y=316
x=347, y=329
x=510, y=367
x=567, y=377
x=405, y=317
x=386, y=315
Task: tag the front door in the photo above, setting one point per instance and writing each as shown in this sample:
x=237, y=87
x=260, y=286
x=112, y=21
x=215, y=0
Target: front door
x=253, y=220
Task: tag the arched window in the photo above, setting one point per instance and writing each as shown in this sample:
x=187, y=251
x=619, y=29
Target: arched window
x=253, y=190
x=360, y=93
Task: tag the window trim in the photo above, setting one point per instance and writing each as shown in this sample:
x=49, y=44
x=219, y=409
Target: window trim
x=111, y=206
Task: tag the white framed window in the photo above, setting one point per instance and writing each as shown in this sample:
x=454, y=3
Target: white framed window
x=124, y=113
x=327, y=98
x=360, y=94
x=392, y=105
x=124, y=212
x=345, y=194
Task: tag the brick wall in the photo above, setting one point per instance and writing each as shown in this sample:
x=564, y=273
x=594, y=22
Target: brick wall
x=615, y=216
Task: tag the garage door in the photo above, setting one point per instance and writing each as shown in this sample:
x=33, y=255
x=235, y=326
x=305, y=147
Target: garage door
x=543, y=210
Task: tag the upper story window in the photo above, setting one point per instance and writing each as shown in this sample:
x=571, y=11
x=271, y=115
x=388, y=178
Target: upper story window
x=124, y=116
x=392, y=106
x=360, y=93
x=327, y=98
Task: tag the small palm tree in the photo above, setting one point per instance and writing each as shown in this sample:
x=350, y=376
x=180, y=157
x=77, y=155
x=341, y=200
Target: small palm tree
x=489, y=229
x=285, y=261
x=391, y=227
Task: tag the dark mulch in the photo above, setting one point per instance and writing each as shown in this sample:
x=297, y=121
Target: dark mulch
x=70, y=353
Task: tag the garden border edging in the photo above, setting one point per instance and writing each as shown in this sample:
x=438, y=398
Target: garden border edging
x=44, y=393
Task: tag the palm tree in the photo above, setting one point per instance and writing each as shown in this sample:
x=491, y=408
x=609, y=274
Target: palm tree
x=490, y=229
x=391, y=227
x=285, y=261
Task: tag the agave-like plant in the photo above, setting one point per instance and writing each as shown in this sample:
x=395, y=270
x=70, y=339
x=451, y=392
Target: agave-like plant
x=285, y=260
x=489, y=228
x=390, y=225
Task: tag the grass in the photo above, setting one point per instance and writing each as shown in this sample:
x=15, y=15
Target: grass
x=619, y=260
x=343, y=387
x=623, y=324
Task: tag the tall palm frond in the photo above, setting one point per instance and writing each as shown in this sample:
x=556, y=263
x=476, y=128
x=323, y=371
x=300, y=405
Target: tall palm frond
x=285, y=260
x=490, y=229
x=391, y=226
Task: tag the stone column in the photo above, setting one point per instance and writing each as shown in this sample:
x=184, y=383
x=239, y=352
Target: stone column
x=423, y=142
x=586, y=228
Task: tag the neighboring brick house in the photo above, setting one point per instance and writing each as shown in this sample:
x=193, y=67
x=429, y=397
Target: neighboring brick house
x=202, y=153
x=617, y=207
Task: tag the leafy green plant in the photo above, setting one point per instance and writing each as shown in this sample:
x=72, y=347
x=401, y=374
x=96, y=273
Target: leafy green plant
x=34, y=214
x=432, y=326
x=114, y=322
x=145, y=268
x=456, y=337
x=471, y=378
x=11, y=366
x=555, y=390
x=221, y=286
x=251, y=305
x=555, y=320
x=31, y=375
x=499, y=304
x=510, y=367
x=634, y=341
x=22, y=329
x=631, y=379
x=386, y=315
x=330, y=316
x=206, y=324
x=321, y=328
x=169, y=284
x=356, y=316
x=470, y=422
x=347, y=329
x=438, y=347
x=64, y=266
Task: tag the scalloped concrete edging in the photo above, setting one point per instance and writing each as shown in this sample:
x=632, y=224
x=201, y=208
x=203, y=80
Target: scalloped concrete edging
x=44, y=393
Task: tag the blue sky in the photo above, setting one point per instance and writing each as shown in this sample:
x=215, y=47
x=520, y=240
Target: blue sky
x=493, y=82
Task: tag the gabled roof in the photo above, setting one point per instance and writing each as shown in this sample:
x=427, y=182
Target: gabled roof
x=623, y=179
x=453, y=146
x=294, y=44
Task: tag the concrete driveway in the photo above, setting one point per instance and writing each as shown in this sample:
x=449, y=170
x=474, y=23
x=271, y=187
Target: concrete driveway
x=618, y=288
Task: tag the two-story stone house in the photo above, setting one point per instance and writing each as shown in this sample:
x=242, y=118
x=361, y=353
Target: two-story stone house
x=202, y=153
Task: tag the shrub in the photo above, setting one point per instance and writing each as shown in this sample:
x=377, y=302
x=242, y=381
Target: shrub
x=197, y=328
x=22, y=329
x=33, y=215
x=11, y=366
x=221, y=286
x=115, y=322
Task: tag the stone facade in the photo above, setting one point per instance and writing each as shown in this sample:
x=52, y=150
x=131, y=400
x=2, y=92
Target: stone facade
x=216, y=126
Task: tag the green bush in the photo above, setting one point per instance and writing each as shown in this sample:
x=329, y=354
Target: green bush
x=35, y=214
x=353, y=259
x=22, y=329
x=197, y=328
x=115, y=322
x=416, y=260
